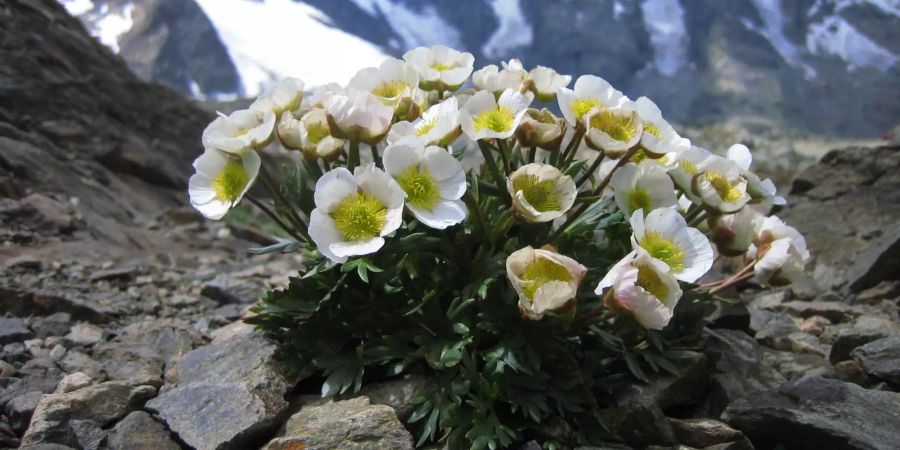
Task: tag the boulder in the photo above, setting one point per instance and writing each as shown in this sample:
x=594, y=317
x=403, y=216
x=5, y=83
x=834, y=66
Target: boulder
x=13, y=329
x=135, y=363
x=881, y=359
x=815, y=412
x=399, y=393
x=849, y=339
x=738, y=366
x=138, y=431
x=703, y=433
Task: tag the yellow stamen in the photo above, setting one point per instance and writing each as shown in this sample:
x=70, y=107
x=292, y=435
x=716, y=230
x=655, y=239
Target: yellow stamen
x=540, y=272
x=497, y=119
x=390, y=89
x=317, y=131
x=727, y=191
x=665, y=249
x=230, y=182
x=359, y=216
x=652, y=283
x=420, y=186
x=425, y=126
x=440, y=67
x=638, y=198
x=650, y=128
x=540, y=194
x=620, y=127
x=687, y=166
x=583, y=106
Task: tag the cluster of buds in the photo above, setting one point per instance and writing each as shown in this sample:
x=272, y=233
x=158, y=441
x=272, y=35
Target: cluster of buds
x=426, y=128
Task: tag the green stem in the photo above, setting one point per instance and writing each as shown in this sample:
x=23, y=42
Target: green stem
x=590, y=171
x=476, y=209
x=499, y=180
x=696, y=220
x=353, y=158
x=298, y=222
x=501, y=147
x=572, y=147
x=375, y=156
x=290, y=231
x=532, y=154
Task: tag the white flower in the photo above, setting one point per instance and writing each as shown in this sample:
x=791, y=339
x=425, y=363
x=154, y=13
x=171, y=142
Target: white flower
x=545, y=281
x=484, y=117
x=734, y=233
x=440, y=68
x=315, y=97
x=590, y=93
x=642, y=186
x=643, y=287
x=357, y=115
x=393, y=81
x=438, y=125
x=614, y=131
x=771, y=228
x=546, y=82
x=778, y=263
x=354, y=212
x=658, y=138
x=720, y=184
x=759, y=190
x=309, y=134
x=665, y=235
x=469, y=153
x=540, y=192
x=491, y=78
x=241, y=130
x=542, y=129
x=684, y=167
x=221, y=180
x=434, y=181
x=286, y=95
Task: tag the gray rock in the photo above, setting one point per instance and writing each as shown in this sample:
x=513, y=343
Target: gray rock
x=13, y=329
x=6, y=369
x=796, y=365
x=226, y=288
x=879, y=261
x=638, y=419
x=348, y=424
x=134, y=363
x=851, y=372
x=881, y=359
x=398, y=394
x=138, y=431
x=101, y=404
x=763, y=319
x=816, y=412
x=8, y=438
x=849, y=339
x=76, y=361
x=170, y=339
x=20, y=409
x=88, y=435
x=27, y=303
x=738, y=366
x=814, y=325
x=86, y=334
x=72, y=382
x=38, y=374
x=57, y=324
x=701, y=433
x=831, y=310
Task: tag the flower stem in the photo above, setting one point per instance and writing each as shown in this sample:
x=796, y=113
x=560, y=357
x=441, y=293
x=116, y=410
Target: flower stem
x=501, y=147
x=353, y=158
x=276, y=219
x=740, y=276
x=590, y=171
x=532, y=154
x=700, y=217
x=495, y=171
x=476, y=209
x=375, y=156
x=299, y=223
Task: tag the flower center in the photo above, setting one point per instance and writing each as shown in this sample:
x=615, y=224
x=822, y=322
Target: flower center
x=583, y=106
x=723, y=187
x=540, y=272
x=497, y=119
x=650, y=128
x=420, y=186
x=390, y=89
x=540, y=194
x=650, y=281
x=638, y=198
x=687, y=166
x=620, y=127
x=664, y=249
x=359, y=216
x=316, y=131
x=230, y=182
x=440, y=67
x=425, y=126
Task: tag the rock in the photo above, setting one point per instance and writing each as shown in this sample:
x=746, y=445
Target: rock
x=6, y=369
x=8, y=438
x=851, y=372
x=117, y=274
x=57, y=353
x=170, y=339
x=763, y=319
x=235, y=384
x=814, y=325
x=738, y=367
x=20, y=409
x=138, y=431
x=101, y=404
x=794, y=365
x=881, y=359
x=348, y=424
x=76, y=361
x=816, y=412
x=72, y=382
x=638, y=419
x=134, y=363
x=226, y=288
x=701, y=433
x=849, y=339
x=86, y=334
x=13, y=329
x=831, y=310
x=24, y=303
x=398, y=394
x=879, y=261
x=88, y=435
x=38, y=374
x=57, y=324
x=733, y=316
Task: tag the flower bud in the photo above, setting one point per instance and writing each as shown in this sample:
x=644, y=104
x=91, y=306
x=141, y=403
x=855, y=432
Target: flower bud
x=288, y=131
x=733, y=233
x=540, y=192
x=540, y=128
x=545, y=280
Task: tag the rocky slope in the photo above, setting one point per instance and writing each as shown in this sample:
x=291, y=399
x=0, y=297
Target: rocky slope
x=119, y=311
x=792, y=62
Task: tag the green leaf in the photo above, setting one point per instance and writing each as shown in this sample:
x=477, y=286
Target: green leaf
x=635, y=367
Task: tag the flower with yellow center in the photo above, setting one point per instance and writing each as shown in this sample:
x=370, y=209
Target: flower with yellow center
x=659, y=137
x=239, y=131
x=433, y=180
x=286, y=95
x=720, y=185
x=643, y=287
x=780, y=252
x=544, y=280
x=438, y=125
x=221, y=180
x=542, y=129
x=440, y=68
x=683, y=167
x=590, y=92
x=614, y=131
x=642, y=186
x=546, y=82
x=665, y=236
x=391, y=82
x=358, y=115
x=540, y=192
x=492, y=78
x=310, y=134
x=354, y=211
x=484, y=117
x=759, y=190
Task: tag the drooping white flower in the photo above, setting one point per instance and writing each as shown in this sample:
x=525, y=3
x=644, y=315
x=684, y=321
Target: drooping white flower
x=759, y=190
x=658, y=138
x=544, y=280
x=777, y=263
x=433, y=180
x=542, y=129
x=438, y=125
x=286, y=95
x=734, y=233
x=665, y=235
x=440, y=68
x=220, y=181
x=358, y=115
x=309, y=134
x=491, y=78
x=315, y=97
x=643, y=287
x=546, y=82
x=642, y=186
x=683, y=168
x=540, y=192
x=720, y=184
x=614, y=131
x=241, y=130
x=354, y=211
x=591, y=92
x=771, y=228
x=392, y=82
x=484, y=117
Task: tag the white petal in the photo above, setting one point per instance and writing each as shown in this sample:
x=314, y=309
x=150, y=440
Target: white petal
x=344, y=249
x=443, y=215
x=740, y=154
x=324, y=233
x=400, y=155
x=374, y=181
x=441, y=164
x=333, y=187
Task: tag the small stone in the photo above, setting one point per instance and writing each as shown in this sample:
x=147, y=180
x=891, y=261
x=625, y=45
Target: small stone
x=701, y=433
x=831, y=310
x=57, y=353
x=53, y=341
x=76, y=361
x=20, y=409
x=849, y=339
x=881, y=359
x=88, y=435
x=73, y=381
x=13, y=329
x=117, y=274
x=86, y=334
x=398, y=394
x=138, y=431
x=814, y=325
x=36, y=347
x=57, y=324
x=230, y=289
x=851, y=372
x=6, y=369
x=135, y=363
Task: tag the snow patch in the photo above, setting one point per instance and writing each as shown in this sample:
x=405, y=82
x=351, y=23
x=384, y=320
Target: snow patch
x=664, y=21
x=513, y=32
x=77, y=7
x=271, y=39
x=111, y=26
x=422, y=28
x=773, y=30
x=618, y=10
x=836, y=36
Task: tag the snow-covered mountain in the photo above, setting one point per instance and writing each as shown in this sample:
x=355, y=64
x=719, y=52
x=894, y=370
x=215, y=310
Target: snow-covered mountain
x=829, y=66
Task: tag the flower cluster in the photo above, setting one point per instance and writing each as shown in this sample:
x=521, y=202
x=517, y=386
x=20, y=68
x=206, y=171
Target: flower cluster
x=426, y=161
